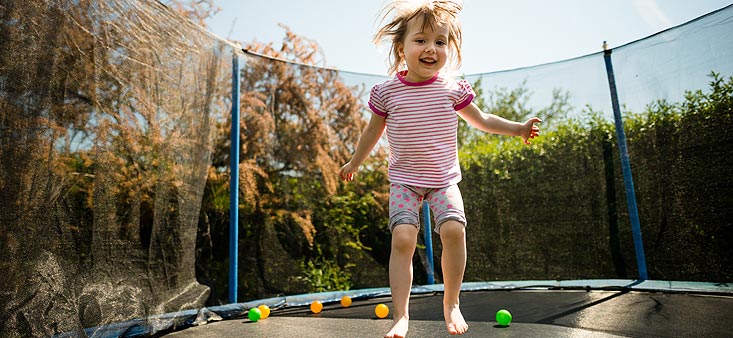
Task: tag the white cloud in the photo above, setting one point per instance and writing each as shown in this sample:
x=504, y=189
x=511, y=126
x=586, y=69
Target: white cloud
x=652, y=14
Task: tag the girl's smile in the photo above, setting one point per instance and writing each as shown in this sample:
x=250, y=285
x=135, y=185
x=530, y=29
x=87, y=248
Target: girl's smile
x=429, y=61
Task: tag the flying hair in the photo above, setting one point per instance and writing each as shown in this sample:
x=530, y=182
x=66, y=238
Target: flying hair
x=398, y=13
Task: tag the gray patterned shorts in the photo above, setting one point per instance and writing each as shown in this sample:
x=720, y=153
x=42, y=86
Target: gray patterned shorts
x=405, y=202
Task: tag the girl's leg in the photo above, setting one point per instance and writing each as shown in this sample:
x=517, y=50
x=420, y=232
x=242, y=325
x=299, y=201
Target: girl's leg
x=453, y=238
x=404, y=239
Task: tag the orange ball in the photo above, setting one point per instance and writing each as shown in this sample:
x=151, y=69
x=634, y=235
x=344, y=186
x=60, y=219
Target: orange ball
x=381, y=310
x=316, y=306
x=345, y=301
x=265, y=310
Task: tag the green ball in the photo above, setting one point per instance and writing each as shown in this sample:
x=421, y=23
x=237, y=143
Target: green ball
x=254, y=314
x=503, y=317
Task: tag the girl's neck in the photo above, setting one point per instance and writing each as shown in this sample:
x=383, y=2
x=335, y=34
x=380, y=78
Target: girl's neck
x=404, y=77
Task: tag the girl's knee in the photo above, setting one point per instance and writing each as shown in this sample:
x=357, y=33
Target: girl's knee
x=452, y=230
x=404, y=237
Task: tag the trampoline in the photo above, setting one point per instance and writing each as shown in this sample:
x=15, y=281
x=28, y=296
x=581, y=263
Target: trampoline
x=537, y=313
x=579, y=308
x=117, y=117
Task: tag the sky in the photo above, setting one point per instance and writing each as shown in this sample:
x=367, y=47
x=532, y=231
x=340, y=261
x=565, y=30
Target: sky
x=497, y=35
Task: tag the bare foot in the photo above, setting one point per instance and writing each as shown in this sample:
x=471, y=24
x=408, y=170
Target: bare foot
x=399, y=329
x=454, y=321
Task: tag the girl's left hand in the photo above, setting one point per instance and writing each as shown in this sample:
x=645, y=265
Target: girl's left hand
x=529, y=130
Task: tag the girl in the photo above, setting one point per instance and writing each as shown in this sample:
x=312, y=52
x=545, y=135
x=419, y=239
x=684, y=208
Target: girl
x=418, y=107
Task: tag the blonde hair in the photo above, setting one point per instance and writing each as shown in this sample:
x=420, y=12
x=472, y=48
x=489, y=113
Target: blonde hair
x=433, y=13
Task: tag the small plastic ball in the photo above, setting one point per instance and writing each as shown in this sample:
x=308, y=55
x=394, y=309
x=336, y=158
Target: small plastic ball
x=345, y=301
x=265, y=310
x=254, y=314
x=503, y=317
x=316, y=306
x=381, y=310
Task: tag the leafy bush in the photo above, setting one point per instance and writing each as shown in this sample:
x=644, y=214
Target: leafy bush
x=557, y=209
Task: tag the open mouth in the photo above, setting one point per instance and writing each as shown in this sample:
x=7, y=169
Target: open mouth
x=428, y=61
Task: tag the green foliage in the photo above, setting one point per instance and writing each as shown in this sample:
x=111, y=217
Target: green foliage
x=512, y=104
x=325, y=275
x=354, y=220
x=341, y=213
x=556, y=209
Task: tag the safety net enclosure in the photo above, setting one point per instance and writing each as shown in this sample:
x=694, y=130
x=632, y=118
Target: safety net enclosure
x=108, y=113
x=115, y=120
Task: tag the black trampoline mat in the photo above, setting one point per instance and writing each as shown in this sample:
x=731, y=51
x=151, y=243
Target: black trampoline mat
x=302, y=327
x=541, y=313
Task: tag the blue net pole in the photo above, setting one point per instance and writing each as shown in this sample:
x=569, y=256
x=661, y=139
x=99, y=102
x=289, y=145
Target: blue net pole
x=428, y=242
x=234, y=186
x=626, y=169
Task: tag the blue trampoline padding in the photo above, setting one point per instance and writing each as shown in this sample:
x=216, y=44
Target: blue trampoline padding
x=179, y=320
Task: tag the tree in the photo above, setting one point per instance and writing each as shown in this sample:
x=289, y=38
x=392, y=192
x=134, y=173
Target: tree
x=299, y=123
x=512, y=104
x=197, y=11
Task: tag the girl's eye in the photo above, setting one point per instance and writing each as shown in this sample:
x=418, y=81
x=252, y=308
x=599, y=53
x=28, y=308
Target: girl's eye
x=441, y=43
x=420, y=41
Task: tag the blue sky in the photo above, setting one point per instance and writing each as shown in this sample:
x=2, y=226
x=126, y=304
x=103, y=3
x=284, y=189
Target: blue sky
x=498, y=35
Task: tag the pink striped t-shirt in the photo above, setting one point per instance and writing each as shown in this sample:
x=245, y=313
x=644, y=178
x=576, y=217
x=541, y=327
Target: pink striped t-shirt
x=422, y=128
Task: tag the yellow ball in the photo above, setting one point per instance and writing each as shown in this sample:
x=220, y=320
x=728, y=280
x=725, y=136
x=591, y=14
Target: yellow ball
x=265, y=310
x=381, y=310
x=316, y=306
x=345, y=301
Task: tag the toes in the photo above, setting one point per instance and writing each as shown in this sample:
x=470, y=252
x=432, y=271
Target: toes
x=454, y=329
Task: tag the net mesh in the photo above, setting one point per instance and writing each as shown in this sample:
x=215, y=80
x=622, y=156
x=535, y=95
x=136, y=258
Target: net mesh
x=107, y=111
x=114, y=122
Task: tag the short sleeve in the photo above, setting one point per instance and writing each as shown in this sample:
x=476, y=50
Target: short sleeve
x=464, y=94
x=376, y=101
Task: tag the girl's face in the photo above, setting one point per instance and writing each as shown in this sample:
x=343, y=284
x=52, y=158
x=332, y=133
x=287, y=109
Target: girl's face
x=424, y=51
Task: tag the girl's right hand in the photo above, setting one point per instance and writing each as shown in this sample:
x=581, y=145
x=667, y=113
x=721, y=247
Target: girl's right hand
x=347, y=172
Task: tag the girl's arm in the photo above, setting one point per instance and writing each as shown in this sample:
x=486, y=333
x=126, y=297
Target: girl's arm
x=367, y=141
x=497, y=125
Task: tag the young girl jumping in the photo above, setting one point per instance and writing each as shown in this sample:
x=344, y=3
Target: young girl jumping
x=418, y=108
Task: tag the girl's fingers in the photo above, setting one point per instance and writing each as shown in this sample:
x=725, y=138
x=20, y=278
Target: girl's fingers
x=347, y=177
